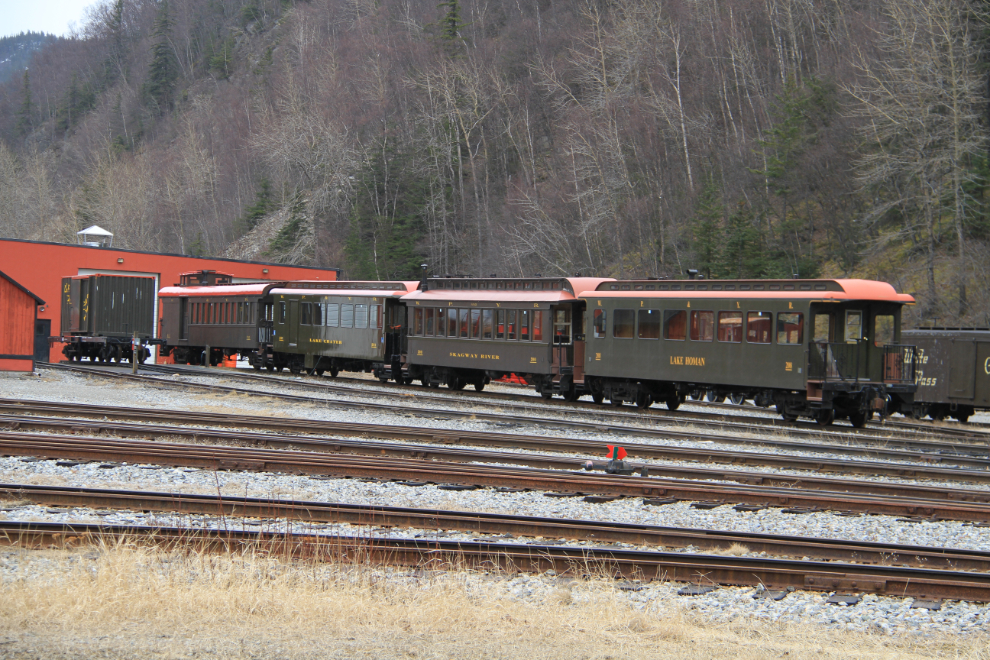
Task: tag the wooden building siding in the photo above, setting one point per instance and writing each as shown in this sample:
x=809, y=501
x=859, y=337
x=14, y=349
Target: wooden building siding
x=17, y=316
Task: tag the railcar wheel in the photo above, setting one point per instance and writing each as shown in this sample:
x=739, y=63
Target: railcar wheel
x=825, y=417
x=737, y=399
x=320, y=372
x=572, y=395
x=270, y=367
x=479, y=385
x=334, y=371
x=257, y=367
x=643, y=400
x=546, y=395
x=310, y=372
x=616, y=402
x=673, y=402
x=598, y=398
x=713, y=397
x=456, y=383
x=859, y=419
x=963, y=417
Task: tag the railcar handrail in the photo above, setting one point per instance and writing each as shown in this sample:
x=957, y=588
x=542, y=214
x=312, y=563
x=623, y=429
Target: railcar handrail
x=898, y=363
x=830, y=362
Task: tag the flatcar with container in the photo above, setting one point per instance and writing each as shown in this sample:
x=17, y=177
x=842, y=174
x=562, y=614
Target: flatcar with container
x=953, y=375
x=206, y=318
x=102, y=314
x=339, y=326
x=824, y=349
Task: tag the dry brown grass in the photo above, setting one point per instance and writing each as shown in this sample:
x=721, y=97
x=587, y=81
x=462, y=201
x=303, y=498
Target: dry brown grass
x=133, y=603
x=734, y=550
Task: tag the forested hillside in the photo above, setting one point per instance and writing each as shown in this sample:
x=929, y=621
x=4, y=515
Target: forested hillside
x=749, y=138
x=16, y=52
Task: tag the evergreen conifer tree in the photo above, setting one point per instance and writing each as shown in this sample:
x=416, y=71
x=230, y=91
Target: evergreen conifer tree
x=163, y=72
x=25, y=121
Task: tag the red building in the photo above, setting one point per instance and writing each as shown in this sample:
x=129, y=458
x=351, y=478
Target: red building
x=18, y=314
x=40, y=267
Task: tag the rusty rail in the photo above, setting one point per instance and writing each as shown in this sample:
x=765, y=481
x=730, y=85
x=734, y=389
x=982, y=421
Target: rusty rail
x=506, y=557
x=860, y=552
x=979, y=471
x=877, y=498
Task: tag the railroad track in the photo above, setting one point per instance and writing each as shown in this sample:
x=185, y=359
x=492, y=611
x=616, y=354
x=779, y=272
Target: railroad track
x=981, y=447
x=931, y=454
x=944, y=468
x=624, y=413
x=386, y=517
x=795, y=494
x=512, y=557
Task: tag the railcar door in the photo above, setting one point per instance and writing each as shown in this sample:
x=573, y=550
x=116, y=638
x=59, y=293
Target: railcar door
x=562, y=347
x=394, y=326
x=292, y=324
x=183, y=318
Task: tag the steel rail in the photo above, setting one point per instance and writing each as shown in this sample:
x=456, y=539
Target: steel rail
x=873, y=497
x=817, y=432
x=506, y=557
x=533, y=403
x=972, y=449
x=935, y=454
x=861, y=552
x=981, y=473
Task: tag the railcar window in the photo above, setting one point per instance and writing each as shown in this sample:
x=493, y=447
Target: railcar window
x=649, y=324
x=417, y=322
x=240, y=312
x=759, y=327
x=500, y=324
x=524, y=324
x=702, y=326
x=451, y=322
x=730, y=327
x=486, y=324
x=462, y=323
x=675, y=324
x=319, y=311
x=599, y=323
x=475, y=323
x=854, y=326
x=883, y=330
x=538, y=326
x=622, y=323
x=428, y=321
x=823, y=327
x=511, y=330
x=306, y=314
x=441, y=322
x=333, y=315
x=281, y=311
x=347, y=315
x=790, y=328
x=360, y=316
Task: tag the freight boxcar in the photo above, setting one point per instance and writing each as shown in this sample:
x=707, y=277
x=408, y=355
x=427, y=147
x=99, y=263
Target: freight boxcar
x=206, y=318
x=102, y=313
x=818, y=348
x=953, y=374
x=339, y=326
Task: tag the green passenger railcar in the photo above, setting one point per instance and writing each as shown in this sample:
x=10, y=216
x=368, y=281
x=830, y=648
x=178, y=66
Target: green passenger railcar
x=469, y=330
x=339, y=326
x=820, y=348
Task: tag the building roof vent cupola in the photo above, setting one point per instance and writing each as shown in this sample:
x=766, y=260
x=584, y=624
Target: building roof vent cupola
x=95, y=236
